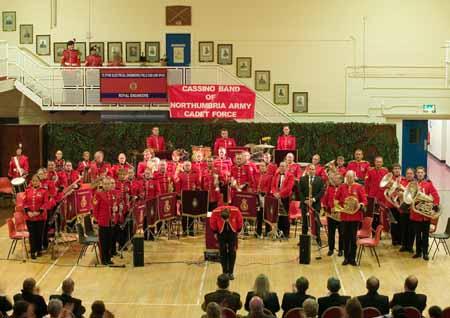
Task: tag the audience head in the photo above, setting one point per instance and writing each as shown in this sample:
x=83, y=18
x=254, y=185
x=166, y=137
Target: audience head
x=20, y=309
x=213, y=310
x=29, y=285
x=68, y=286
x=411, y=283
x=302, y=284
x=435, y=312
x=54, y=308
x=223, y=281
x=310, y=308
x=353, y=308
x=98, y=309
x=333, y=284
x=398, y=312
x=372, y=284
x=262, y=286
x=256, y=305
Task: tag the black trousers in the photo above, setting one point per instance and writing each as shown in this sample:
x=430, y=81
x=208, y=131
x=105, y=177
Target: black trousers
x=212, y=205
x=334, y=225
x=105, y=240
x=36, y=230
x=188, y=225
x=306, y=219
x=283, y=220
x=407, y=233
x=260, y=221
x=118, y=237
x=396, y=233
x=422, y=233
x=227, y=249
x=224, y=192
x=349, y=230
x=372, y=211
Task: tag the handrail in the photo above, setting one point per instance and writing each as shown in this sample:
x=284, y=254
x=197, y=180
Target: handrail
x=37, y=57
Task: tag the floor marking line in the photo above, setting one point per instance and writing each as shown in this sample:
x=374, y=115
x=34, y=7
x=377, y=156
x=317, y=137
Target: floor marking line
x=51, y=267
x=202, y=283
x=339, y=276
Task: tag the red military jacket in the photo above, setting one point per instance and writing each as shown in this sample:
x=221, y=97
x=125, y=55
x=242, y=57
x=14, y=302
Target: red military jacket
x=187, y=181
x=345, y=191
x=156, y=143
x=97, y=170
x=427, y=187
x=82, y=165
x=329, y=197
x=286, y=142
x=59, y=178
x=172, y=168
x=223, y=143
x=94, y=60
x=208, y=184
x=295, y=170
x=223, y=166
x=141, y=169
x=285, y=190
x=235, y=220
x=372, y=182
x=164, y=180
x=102, y=207
x=123, y=189
x=199, y=167
x=115, y=169
x=360, y=167
x=272, y=168
x=13, y=171
x=242, y=175
x=149, y=189
x=71, y=176
x=36, y=200
x=341, y=170
x=70, y=58
x=263, y=182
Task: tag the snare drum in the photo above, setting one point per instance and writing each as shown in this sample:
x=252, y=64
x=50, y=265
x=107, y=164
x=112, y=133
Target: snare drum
x=19, y=184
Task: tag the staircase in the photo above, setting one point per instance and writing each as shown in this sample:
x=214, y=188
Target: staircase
x=79, y=90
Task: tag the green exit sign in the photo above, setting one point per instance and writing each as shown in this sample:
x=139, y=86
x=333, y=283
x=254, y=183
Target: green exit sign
x=429, y=108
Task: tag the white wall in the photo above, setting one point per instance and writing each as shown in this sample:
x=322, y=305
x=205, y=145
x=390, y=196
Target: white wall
x=439, y=137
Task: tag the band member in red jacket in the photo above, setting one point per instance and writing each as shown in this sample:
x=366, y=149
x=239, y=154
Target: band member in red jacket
x=187, y=180
x=18, y=165
x=94, y=59
x=100, y=168
x=58, y=177
x=333, y=223
x=223, y=141
x=271, y=167
x=360, y=166
x=241, y=176
x=350, y=222
x=199, y=165
x=149, y=190
x=103, y=210
x=226, y=222
x=407, y=233
x=293, y=167
x=144, y=164
x=122, y=164
x=165, y=179
x=122, y=229
x=394, y=207
x=421, y=223
x=84, y=166
x=340, y=165
x=71, y=56
x=286, y=141
x=263, y=185
x=210, y=182
x=59, y=161
x=35, y=207
x=155, y=141
x=71, y=175
x=373, y=190
x=282, y=184
x=223, y=165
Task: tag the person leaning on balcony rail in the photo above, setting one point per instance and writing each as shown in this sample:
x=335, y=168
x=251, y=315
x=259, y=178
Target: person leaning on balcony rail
x=71, y=56
x=94, y=59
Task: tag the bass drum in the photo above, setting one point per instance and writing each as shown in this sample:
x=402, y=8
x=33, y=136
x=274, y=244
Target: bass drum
x=19, y=184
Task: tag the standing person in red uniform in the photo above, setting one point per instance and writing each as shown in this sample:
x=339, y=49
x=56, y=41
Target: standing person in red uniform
x=293, y=167
x=58, y=177
x=223, y=165
x=223, y=141
x=340, y=165
x=102, y=211
x=71, y=175
x=71, y=56
x=421, y=223
x=252, y=166
x=286, y=141
x=333, y=224
x=241, y=176
x=18, y=165
x=394, y=208
x=149, y=190
x=100, y=168
x=94, y=59
x=155, y=141
x=187, y=180
x=59, y=161
x=226, y=222
x=320, y=170
x=407, y=233
x=84, y=166
x=122, y=164
x=282, y=184
x=263, y=184
x=350, y=222
x=198, y=164
x=360, y=166
x=373, y=190
x=35, y=207
x=165, y=179
x=175, y=166
x=271, y=167
x=144, y=164
x=210, y=182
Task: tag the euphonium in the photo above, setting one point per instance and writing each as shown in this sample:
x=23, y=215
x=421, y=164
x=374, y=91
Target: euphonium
x=420, y=202
x=394, y=190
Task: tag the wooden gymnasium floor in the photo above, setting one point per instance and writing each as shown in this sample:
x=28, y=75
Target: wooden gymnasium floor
x=175, y=279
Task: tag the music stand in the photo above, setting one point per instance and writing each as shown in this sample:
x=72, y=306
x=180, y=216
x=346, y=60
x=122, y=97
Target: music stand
x=194, y=204
x=232, y=151
x=164, y=155
x=271, y=214
x=167, y=211
x=246, y=202
x=280, y=155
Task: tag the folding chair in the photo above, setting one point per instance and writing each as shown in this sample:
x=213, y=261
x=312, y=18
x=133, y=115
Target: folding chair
x=85, y=242
x=441, y=238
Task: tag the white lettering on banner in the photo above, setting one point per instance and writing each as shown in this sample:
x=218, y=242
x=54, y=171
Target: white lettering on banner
x=198, y=105
x=229, y=88
x=239, y=106
x=196, y=114
x=218, y=114
x=198, y=88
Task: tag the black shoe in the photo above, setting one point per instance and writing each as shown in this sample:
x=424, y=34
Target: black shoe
x=110, y=263
x=353, y=263
x=425, y=257
x=33, y=256
x=330, y=253
x=410, y=250
x=231, y=276
x=403, y=249
x=38, y=254
x=340, y=253
x=417, y=255
x=125, y=249
x=345, y=262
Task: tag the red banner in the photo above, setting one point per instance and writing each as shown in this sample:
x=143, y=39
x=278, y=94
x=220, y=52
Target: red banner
x=211, y=101
x=133, y=85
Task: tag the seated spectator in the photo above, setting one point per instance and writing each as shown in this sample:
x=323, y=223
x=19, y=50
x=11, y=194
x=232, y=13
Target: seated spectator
x=372, y=298
x=5, y=305
x=22, y=309
x=54, y=308
x=409, y=298
x=30, y=294
x=353, y=308
x=310, y=308
x=256, y=309
x=333, y=299
x=98, y=309
x=262, y=290
x=213, y=310
x=223, y=296
x=68, y=286
x=108, y=314
x=398, y=312
x=297, y=297
x=435, y=312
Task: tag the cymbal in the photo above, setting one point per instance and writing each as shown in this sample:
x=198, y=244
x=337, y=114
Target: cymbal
x=264, y=146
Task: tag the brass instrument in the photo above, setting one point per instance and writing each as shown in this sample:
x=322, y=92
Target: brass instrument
x=420, y=202
x=216, y=181
x=351, y=205
x=69, y=189
x=394, y=190
x=170, y=187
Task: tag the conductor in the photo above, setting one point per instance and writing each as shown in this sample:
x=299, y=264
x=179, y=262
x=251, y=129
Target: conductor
x=226, y=223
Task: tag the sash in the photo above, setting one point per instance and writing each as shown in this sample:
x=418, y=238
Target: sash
x=19, y=168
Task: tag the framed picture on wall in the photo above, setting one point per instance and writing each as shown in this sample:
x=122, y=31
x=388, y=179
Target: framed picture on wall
x=9, y=21
x=300, y=102
x=281, y=94
x=225, y=54
x=81, y=47
x=262, y=81
x=99, y=47
x=114, y=49
x=58, y=49
x=244, y=67
x=26, y=34
x=152, y=52
x=133, y=50
x=43, y=44
x=206, y=51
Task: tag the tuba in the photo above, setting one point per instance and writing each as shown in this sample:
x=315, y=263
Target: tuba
x=420, y=202
x=393, y=192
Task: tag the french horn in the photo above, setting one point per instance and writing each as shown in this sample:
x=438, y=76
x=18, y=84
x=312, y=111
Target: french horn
x=351, y=205
x=420, y=202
